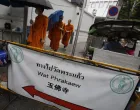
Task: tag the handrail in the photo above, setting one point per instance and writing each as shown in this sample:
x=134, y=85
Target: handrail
x=76, y=58
x=4, y=88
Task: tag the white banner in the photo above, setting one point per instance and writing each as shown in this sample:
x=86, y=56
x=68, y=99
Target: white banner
x=66, y=84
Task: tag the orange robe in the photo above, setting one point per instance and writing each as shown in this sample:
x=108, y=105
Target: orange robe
x=55, y=35
x=38, y=31
x=67, y=35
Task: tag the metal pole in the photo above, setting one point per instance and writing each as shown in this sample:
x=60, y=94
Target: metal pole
x=78, y=28
x=25, y=25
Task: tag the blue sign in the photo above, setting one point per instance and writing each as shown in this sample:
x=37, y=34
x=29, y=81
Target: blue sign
x=113, y=11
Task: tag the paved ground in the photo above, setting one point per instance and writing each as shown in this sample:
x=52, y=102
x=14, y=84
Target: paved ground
x=79, y=49
x=22, y=103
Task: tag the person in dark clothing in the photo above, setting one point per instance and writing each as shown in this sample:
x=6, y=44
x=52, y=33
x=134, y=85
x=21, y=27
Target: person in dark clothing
x=114, y=46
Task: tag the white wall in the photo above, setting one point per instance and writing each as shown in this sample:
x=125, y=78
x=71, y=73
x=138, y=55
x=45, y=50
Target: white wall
x=88, y=20
x=8, y=13
x=88, y=4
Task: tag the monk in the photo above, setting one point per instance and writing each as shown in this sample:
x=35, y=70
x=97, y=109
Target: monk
x=68, y=32
x=56, y=34
x=38, y=29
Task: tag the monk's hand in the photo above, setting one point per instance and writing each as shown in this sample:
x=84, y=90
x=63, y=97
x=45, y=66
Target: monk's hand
x=61, y=29
x=42, y=41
